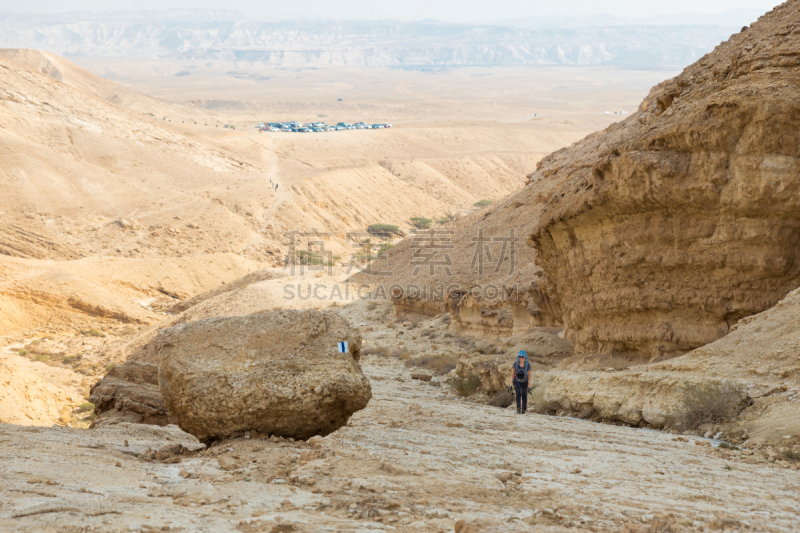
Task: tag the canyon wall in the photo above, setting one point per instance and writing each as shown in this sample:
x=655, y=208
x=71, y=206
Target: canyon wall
x=668, y=228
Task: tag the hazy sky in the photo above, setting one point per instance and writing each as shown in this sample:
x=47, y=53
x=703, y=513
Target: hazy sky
x=449, y=10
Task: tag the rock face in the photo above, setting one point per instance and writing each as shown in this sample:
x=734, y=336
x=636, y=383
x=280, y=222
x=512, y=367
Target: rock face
x=492, y=287
x=494, y=370
x=668, y=228
x=130, y=393
x=635, y=398
x=276, y=372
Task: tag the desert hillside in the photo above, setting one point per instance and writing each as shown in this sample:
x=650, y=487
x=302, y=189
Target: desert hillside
x=96, y=173
x=209, y=325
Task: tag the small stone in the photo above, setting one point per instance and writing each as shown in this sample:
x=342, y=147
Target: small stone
x=504, y=476
x=41, y=479
x=227, y=463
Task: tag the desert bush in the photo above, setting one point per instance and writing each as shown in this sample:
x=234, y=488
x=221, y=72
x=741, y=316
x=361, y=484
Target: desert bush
x=709, y=402
x=467, y=386
x=69, y=359
x=23, y=351
x=400, y=354
x=381, y=351
x=372, y=306
x=440, y=364
x=791, y=455
x=88, y=406
x=482, y=203
x=383, y=228
x=463, y=342
x=421, y=222
x=502, y=399
x=95, y=333
x=305, y=257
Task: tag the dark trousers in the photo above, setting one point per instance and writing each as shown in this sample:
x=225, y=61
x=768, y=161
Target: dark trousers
x=522, y=394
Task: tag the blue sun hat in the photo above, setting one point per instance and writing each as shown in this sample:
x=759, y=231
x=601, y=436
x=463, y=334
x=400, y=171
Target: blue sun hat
x=523, y=353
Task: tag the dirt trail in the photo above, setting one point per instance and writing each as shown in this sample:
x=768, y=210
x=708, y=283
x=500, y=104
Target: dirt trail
x=418, y=458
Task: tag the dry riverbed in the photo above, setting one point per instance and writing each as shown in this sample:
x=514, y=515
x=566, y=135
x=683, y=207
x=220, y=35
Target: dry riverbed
x=418, y=458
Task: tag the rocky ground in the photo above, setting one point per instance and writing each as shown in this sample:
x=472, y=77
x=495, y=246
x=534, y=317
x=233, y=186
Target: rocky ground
x=418, y=458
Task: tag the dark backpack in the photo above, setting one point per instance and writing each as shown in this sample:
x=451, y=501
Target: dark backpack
x=520, y=373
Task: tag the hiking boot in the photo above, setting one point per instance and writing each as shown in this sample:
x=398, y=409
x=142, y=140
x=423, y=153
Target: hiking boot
x=519, y=411
x=522, y=411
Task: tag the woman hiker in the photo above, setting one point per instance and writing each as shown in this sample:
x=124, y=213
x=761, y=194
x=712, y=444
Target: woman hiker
x=520, y=377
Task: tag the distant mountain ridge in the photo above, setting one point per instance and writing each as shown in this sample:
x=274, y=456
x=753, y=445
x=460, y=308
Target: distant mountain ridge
x=223, y=35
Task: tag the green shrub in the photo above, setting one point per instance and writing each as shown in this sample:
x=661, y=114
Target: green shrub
x=482, y=203
x=88, y=406
x=95, y=333
x=69, y=359
x=421, y=222
x=709, y=402
x=41, y=357
x=23, y=351
x=467, y=386
x=449, y=217
x=305, y=257
x=383, y=228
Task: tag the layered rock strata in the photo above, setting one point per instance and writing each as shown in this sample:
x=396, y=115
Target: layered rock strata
x=130, y=393
x=670, y=227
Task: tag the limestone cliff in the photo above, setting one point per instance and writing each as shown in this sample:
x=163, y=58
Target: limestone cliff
x=668, y=228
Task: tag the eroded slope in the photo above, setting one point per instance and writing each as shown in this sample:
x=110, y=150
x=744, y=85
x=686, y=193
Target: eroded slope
x=673, y=225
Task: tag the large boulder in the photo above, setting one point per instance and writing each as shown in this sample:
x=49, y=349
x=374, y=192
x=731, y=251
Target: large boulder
x=277, y=372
